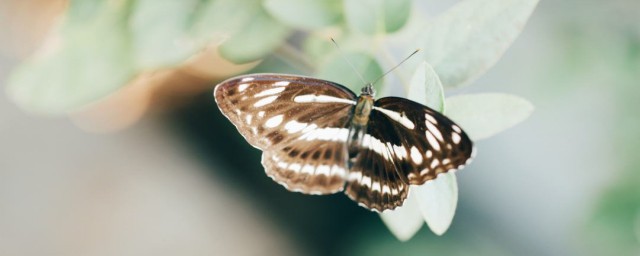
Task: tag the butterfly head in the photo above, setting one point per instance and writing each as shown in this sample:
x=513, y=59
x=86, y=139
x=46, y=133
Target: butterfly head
x=368, y=90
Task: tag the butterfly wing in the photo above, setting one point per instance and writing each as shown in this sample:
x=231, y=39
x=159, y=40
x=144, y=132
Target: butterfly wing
x=373, y=181
x=405, y=144
x=423, y=143
x=300, y=123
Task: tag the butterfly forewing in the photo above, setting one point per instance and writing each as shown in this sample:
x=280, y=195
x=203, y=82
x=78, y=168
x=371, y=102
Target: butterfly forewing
x=300, y=123
x=423, y=142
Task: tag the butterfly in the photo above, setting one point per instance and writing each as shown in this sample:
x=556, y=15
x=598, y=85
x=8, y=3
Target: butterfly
x=318, y=137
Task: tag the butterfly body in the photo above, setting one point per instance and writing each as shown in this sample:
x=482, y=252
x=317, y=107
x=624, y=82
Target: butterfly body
x=318, y=137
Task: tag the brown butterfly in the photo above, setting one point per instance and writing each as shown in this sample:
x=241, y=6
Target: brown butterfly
x=318, y=137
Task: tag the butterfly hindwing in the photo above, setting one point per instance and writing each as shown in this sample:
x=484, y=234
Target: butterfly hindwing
x=423, y=142
x=373, y=180
x=300, y=123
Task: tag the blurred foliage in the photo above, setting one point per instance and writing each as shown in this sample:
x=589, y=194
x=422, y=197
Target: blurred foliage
x=614, y=227
x=99, y=46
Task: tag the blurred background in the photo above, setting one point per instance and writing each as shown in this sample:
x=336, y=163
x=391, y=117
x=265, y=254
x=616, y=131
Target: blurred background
x=102, y=153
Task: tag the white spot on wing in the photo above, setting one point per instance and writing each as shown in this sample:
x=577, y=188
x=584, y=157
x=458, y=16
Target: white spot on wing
x=295, y=167
x=242, y=87
x=323, y=170
x=326, y=134
x=431, y=119
x=400, y=151
x=309, y=98
x=281, y=83
x=249, y=117
x=456, y=138
x=308, y=169
x=293, y=126
x=395, y=116
x=434, y=130
x=432, y=141
x=434, y=163
x=416, y=156
x=261, y=114
x=271, y=91
x=247, y=79
x=456, y=128
x=265, y=101
x=376, y=145
x=274, y=121
x=366, y=181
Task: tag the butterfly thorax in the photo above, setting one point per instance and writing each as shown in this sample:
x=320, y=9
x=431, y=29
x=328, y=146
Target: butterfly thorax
x=359, y=120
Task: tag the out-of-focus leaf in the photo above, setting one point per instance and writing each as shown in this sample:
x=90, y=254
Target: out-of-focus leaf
x=305, y=14
x=160, y=32
x=378, y=16
x=425, y=88
x=317, y=47
x=339, y=71
x=219, y=19
x=612, y=228
x=88, y=58
x=486, y=114
x=437, y=200
x=404, y=221
x=470, y=38
x=256, y=39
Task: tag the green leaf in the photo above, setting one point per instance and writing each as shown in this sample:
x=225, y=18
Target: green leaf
x=405, y=221
x=219, y=19
x=425, y=88
x=437, y=200
x=88, y=58
x=160, y=32
x=255, y=39
x=471, y=37
x=486, y=114
x=305, y=14
x=339, y=71
x=377, y=16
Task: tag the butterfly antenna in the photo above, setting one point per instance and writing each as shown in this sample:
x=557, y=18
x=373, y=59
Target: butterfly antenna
x=396, y=66
x=350, y=64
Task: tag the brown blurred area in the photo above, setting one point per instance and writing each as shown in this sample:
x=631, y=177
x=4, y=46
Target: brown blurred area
x=64, y=191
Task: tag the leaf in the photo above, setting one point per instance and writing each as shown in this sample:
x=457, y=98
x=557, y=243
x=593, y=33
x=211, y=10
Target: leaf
x=470, y=38
x=437, y=201
x=404, y=221
x=339, y=71
x=255, y=39
x=425, y=88
x=377, y=16
x=483, y=115
x=86, y=59
x=305, y=14
x=160, y=32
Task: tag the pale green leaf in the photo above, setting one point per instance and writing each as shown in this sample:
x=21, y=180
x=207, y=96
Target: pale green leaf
x=377, y=16
x=305, y=14
x=160, y=32
x=86, y=59
x=339, y=71
x=425, y=88
x=404, y=221
x=486, y=114
x=437, y=200
x=470, y=38
x=260, y=36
